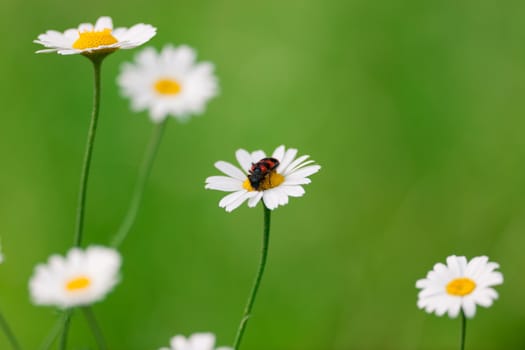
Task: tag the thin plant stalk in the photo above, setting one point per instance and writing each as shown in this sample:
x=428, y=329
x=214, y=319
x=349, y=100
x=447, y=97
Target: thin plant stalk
x=53, y=334
x=138, y=192
x=84, y=175
x=256, y=283
x=79, y=227
x=463, y=330
x=9, y=333
x=65, y=330
x=95, y=328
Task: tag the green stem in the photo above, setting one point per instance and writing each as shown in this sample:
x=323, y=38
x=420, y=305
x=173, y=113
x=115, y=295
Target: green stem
x=59, y=325
x=65, y=329
x=79, y=228
x=138, y=192
x=9, y=333
x=95, y=328
x=251, y=299
x=463, y=330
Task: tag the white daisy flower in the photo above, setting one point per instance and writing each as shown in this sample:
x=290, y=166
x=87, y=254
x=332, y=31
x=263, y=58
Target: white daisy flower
x=90, y=39
x=168, y=83
x=459, y=285
x=197, y=341
x=272, y=179
x=81, y=278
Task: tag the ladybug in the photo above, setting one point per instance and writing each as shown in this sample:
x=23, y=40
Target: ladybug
x=260, y=170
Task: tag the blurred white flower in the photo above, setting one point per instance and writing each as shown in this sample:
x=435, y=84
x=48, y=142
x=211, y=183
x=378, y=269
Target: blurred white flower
x=90, y=39
x=197, y=341
x=271, y=179
x=168, y=83
x=81, y=278
x=459, y=285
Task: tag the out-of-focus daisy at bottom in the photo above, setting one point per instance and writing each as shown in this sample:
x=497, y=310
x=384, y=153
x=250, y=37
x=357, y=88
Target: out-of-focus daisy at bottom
x=80, y=278
x=197, y=341
x=270, y=179
x=459, y=285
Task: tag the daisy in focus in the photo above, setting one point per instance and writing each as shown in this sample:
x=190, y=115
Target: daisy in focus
x=270, y=179
x=197, y=341
x=89, y=39
x=170, y=82
x=459, y=285
x=81, y=278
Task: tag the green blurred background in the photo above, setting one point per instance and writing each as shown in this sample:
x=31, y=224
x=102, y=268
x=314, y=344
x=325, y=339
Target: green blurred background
x=414, y=109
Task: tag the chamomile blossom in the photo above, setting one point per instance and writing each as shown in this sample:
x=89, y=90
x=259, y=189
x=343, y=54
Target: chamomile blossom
x=459, y=285
x=80, y=278
x=170, y=82
x=197, y=341
x=90, y=39
x=270, y=179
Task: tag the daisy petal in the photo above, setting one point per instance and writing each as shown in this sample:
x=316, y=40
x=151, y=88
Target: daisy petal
x=306, y=171
x=288, y=157
x=223, y=183
x=257, y=156
x=270, y=200
x=293, y=191
x=454, y=307
x=255, y=199
x=197, y=341
x=293, y=164
x=236, y=203
x=202, y=341
x=296, y=181
x=179, y=342
x=279, y=152
x=231, y=170
x=232, y=197
x=469, y=307
x=244, y=158
x=85, y=27
x=104, y=23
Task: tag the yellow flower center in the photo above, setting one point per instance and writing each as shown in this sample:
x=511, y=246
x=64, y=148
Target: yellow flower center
x=78, y=283
x=273, y=179
x=89, y=40
x=167, y=86
x=461, y=287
